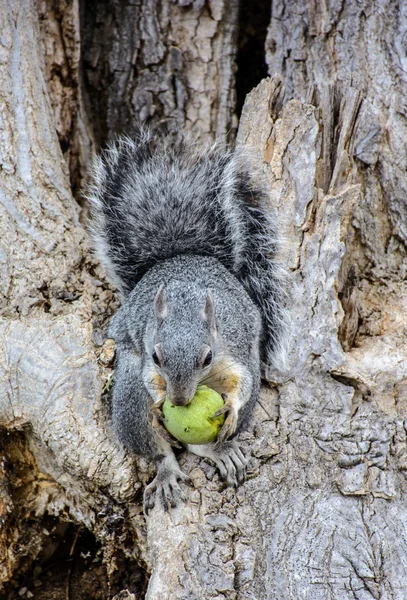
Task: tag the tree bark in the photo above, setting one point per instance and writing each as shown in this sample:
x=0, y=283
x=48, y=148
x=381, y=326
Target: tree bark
x=169, y=63
x=322, y=513
x=50, y=380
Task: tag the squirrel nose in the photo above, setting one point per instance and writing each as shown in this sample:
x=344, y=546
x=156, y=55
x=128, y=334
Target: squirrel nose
x=180, y=401
x=179, y=397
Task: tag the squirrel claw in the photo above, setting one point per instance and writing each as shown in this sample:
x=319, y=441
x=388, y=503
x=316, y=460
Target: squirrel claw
x=165, y=489
x=228, y=458
x=225, y=408
x=232, y=464
x=158, y=415
x=156, y=409
x=157, y=424
x=229, y=426
x=160, y=430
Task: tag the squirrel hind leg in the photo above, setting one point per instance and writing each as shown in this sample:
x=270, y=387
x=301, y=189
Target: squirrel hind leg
x=228, y=458
x=165, y=489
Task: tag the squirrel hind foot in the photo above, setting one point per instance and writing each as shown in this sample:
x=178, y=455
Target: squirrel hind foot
x=228, y=458
x=165, y=490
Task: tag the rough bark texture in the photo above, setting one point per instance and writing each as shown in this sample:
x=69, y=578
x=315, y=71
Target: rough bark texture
x=347, y=216
x=169, y=63
x=336, y=520
x=50, y=381
x=323, y=512
x=60, y=34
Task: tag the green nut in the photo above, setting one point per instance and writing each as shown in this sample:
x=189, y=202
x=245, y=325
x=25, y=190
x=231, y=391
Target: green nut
x=195, y=423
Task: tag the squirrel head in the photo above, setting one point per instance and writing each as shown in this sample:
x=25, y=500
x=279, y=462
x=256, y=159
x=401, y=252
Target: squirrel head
x=185, y=341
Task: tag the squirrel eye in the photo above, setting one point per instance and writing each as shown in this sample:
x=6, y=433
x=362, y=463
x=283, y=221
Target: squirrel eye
x=208, y=359
x=155, y=358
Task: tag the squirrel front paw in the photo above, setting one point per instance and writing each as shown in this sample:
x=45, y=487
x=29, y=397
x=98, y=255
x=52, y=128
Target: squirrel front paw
x=157, y=425
x=165, y=489
x=230, y=424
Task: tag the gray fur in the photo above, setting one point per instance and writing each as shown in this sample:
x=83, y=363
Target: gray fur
x=154, y=198
x=134, y=328
x=130, y=404
x=184, y=236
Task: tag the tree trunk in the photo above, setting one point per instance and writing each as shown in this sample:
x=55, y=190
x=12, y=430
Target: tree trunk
x=322, y=513
x=169, y=63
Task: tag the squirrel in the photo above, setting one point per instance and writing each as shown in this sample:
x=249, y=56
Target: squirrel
x=184, y=234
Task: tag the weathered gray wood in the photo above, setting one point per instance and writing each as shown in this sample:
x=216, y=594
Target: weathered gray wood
x=50, y=380
x=347, y=58
x=170, y=63
x=40, y=237
x=267, y=530
x=323, y=512
x=61, y=43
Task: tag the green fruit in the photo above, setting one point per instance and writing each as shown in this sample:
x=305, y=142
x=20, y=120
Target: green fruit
x=195, y=423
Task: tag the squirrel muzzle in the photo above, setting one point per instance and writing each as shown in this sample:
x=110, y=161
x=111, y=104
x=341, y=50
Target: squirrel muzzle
x=180, y=396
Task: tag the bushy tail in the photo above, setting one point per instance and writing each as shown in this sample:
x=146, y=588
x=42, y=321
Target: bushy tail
x=154, y=198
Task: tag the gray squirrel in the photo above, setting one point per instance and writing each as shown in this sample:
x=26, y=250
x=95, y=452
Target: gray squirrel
x=184, y=234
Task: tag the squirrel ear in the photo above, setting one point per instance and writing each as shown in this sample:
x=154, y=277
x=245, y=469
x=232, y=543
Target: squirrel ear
x=209, y=310
x=160, y=306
